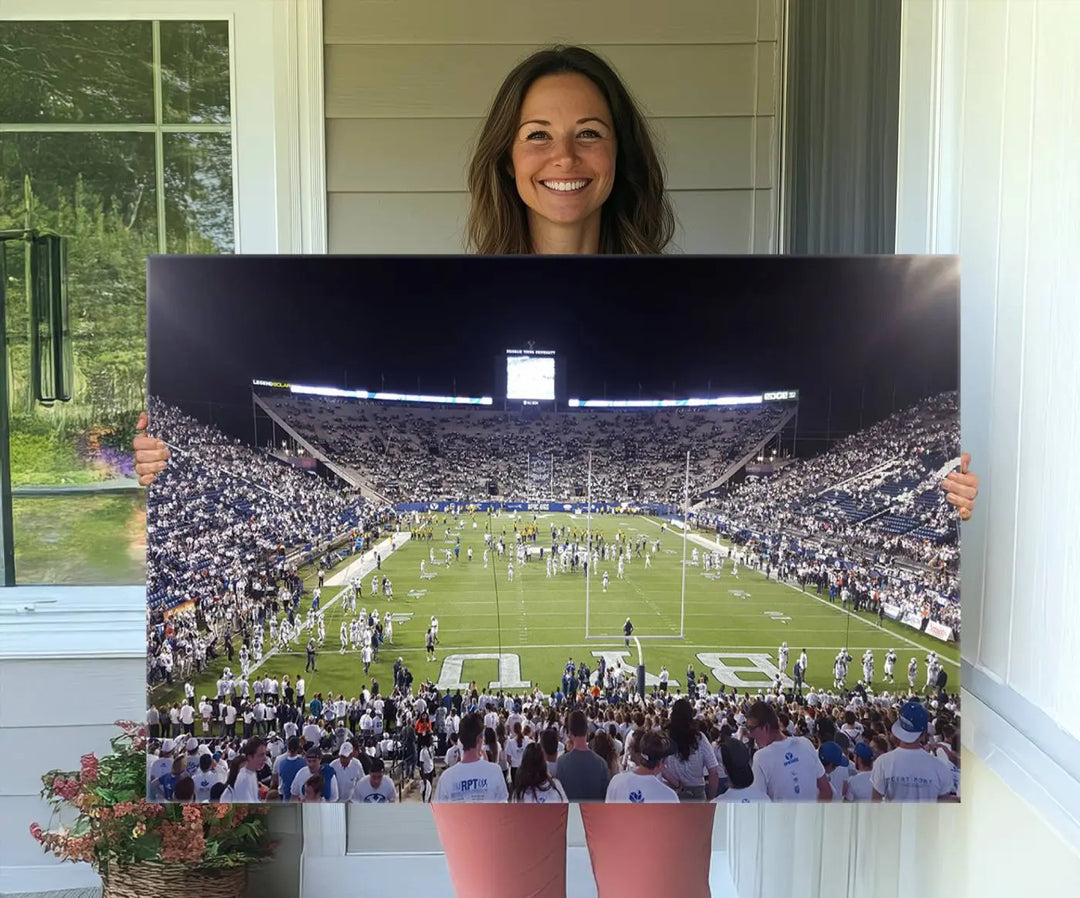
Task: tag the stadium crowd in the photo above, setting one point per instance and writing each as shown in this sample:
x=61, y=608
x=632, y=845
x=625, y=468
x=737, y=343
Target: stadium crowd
x=595, y=745
x=227, y=530
x=417, y=453
x=870, y=507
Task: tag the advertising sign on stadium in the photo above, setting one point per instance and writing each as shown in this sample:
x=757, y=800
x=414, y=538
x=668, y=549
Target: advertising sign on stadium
x=891, y=611
x=780, y=395
x=912, y=619
x=939, y=631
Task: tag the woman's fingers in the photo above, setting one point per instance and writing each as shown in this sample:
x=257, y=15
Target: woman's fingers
x=961, y=487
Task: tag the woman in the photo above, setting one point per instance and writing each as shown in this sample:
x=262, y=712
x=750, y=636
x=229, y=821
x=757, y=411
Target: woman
x=533, y=784
x=515, y=750
x=604, y=746
x=693, y=759
x=565, y=164
x=427, y=767
x=644, y=784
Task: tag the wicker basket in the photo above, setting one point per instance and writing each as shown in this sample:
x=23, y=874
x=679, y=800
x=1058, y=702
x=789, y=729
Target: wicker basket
x=154, y=878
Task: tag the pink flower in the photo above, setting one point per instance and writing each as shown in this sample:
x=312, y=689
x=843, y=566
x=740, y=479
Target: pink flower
x=37, y=832
x=89, y=770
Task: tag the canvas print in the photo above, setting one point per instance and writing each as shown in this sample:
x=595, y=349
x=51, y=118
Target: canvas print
x=553, y=529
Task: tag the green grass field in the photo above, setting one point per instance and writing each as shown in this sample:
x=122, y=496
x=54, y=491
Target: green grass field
x=83, y=538
x=734, y=623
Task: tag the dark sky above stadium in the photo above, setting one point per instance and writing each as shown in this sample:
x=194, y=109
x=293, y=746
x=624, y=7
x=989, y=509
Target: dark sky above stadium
x=873, y=332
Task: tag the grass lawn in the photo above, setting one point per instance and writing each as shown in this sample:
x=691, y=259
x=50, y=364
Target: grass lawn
x=537, y=622
x=81, y=539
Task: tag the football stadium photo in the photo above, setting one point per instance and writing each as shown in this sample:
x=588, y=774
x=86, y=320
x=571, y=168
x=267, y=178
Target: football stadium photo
x=545, y=500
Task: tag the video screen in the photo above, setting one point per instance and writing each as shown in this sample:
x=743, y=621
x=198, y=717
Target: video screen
x=530, y=377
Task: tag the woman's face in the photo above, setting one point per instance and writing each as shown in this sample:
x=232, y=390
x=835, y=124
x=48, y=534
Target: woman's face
x=563, y=154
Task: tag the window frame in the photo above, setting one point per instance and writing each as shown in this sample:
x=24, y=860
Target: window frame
x=279, y=207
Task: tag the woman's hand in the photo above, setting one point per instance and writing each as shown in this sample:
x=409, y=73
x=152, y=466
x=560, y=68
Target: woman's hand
x=962, y=487
x=150, y=454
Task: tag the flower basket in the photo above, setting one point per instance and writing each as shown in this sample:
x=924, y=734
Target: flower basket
x=142, y=848
x=176, y=880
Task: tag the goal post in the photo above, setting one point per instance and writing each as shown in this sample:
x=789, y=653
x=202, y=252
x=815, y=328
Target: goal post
x=590, y=633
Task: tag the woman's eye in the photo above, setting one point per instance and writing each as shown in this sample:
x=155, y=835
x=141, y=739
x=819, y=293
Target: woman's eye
x=536, y=135
x=590, y=133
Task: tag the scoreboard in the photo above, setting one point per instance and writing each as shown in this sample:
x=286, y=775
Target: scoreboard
x=530, y=375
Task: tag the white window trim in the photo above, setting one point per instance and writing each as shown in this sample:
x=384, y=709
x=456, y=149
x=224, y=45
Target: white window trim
x=278, y=135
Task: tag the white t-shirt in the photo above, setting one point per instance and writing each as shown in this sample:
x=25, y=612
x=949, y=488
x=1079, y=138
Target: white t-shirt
x=453, y=754
x=513, y=753
x=347, y=777
x=749, y=795
x=551, y=794
x=471, y=781
x=906, y=774
x=204, y=782
x=837, y=779
x=859, y=787
x=246, y=790
x=788, y=770
x=368, y=794
x=427, y=759
x=639, y=788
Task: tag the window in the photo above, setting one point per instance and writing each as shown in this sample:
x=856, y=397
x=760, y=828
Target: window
x=117, y=135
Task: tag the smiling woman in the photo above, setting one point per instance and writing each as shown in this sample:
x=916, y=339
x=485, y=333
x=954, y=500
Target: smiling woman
x=565, y=164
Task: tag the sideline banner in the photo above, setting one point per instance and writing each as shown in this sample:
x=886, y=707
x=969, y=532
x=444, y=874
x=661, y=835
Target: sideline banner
x=939, y=630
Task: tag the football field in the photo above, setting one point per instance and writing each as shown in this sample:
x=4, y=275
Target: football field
x=518, y=634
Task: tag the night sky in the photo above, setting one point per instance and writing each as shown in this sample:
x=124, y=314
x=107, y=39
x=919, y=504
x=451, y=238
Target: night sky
x=871, y=330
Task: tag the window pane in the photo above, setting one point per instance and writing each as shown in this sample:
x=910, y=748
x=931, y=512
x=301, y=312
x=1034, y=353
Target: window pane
x=198, y=193
x=99, y=191
x=99, y=72
x=81, y=539
x=195, y=72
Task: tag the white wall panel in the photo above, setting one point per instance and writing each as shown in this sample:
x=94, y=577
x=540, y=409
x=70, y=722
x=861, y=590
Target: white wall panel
x=981, y=113
x=74, y=692
x=399, y=154
x=718, y=221
x=386, y=223
x=498, y=22
x=373, y=80
x=1045, y=630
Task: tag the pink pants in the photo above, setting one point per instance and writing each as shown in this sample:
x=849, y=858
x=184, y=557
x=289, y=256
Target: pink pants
x=519, y=851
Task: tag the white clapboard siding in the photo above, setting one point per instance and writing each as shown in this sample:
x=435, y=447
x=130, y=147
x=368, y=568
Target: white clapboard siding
x=500, y=22
x=372, y=80
x=77, y=692
x=406, y=92
x=374, y=223
x=51, y=748
x=716, y=221
x=395, y=155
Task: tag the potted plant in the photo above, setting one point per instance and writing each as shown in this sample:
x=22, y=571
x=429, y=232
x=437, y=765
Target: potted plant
x=142, y=848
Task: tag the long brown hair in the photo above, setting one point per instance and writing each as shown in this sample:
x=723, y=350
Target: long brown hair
x=533, y=774
x=637, y=217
